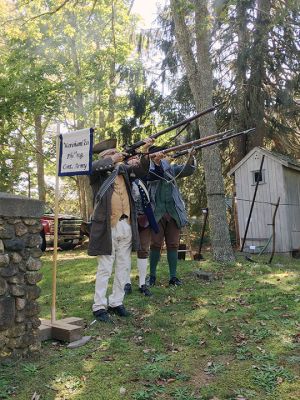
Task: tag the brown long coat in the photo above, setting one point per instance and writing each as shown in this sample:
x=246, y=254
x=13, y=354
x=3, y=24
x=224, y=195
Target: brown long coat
x=100, y=242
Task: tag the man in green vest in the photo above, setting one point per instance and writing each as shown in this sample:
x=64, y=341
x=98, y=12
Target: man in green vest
x=169, y=210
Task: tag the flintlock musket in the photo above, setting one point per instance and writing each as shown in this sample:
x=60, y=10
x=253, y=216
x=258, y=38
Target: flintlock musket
x=130, y=150
x=186, y=146
x=201, y=146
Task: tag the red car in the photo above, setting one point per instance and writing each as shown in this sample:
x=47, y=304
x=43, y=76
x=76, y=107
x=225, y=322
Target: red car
x=69, y=231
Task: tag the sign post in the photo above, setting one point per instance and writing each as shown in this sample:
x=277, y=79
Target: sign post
x=54, y=268
x=73, y=157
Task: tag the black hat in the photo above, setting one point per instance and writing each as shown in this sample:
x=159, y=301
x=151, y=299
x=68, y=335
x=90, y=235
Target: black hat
x=104, y=145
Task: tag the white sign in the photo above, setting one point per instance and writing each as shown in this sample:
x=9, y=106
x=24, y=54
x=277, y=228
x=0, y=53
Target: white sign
x=75, y=156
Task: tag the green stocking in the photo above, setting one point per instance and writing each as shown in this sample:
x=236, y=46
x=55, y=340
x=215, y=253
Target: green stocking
x=172, y=256
x=154, y=258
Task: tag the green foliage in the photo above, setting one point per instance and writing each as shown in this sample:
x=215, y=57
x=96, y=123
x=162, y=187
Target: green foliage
x=172, y=346
x=76, y=65
x=149, y=393
x=30, y=368
x=183, y=393
x=269, y=376
x=214, y=368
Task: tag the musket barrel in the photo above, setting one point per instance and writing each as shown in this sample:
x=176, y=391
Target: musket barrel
x=140, y=143
x=194, y=142
x=211, y=143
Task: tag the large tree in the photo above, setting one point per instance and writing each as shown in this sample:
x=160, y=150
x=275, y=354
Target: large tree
x=192, y=31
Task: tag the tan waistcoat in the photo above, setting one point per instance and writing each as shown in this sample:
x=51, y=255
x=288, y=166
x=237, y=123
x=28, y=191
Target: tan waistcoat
x=119, y=201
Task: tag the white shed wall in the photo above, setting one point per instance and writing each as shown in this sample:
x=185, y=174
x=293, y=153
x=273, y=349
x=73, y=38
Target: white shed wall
x=292, y=179
x=260, y=228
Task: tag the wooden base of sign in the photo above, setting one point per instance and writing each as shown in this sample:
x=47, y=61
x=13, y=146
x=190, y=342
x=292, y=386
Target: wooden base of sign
x=67, y=329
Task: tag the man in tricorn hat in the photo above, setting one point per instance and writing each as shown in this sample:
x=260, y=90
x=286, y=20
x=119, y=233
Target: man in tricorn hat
x=114, y=231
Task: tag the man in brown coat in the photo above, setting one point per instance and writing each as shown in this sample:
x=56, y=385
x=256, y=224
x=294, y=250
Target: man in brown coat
x=114, y=231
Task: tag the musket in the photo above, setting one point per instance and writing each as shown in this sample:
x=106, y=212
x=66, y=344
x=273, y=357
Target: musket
x=196, y=144
x=131, y=148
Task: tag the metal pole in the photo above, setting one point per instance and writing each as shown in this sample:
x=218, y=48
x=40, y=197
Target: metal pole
x=252, y=204
x=54, y=268
x=273, y=230
x=199, y=255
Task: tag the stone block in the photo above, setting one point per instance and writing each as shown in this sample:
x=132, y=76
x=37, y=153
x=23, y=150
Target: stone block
x=73, y=321
x=36, y=252
x=20, y=303
x=45, y=332
x=9, y=271
x=3, y=339
x=7, y=312
x=3, y=287
x=18, y=279
x=66, y=332
x=35, y=322
x=29, y=221
x=16, y=258
x=1, y=247
x=203, y=275
x=20, y=229
x=7, y=231
x=32, y=309
x=35, y=228
x=33, y=240
x=4, y=260
x=17, y=330
x=33, y=277
x=20, y=316
x=14, y=244
x=17, y=290
x=13, y=221
x=20, y=206
x=32, y=292
x=33, y=264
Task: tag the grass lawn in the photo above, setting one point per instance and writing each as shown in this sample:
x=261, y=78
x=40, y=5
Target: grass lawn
x=236, y=337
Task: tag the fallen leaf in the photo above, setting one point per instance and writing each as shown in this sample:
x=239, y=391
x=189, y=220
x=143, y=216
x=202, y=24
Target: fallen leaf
x=108, y=358
x=170, y=380
x=122, y=390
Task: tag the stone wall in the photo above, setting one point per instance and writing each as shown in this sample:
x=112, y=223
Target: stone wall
x=19, y=273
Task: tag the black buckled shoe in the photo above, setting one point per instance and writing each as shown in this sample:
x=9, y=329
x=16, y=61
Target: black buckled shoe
x=101, y=315
x=152, y=280
x=128, y=288
x=119, y=310
x=175, y=281
x=145, y=290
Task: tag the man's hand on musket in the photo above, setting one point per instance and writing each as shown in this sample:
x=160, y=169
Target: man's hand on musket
x=148, y=143
x=156, y=157
x=117, y=157
x=192, y=152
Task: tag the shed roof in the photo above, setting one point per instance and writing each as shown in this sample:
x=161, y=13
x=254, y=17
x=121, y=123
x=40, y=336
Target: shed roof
x=278, y=157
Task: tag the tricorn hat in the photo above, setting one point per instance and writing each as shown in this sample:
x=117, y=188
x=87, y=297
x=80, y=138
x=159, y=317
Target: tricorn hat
x=104, y=145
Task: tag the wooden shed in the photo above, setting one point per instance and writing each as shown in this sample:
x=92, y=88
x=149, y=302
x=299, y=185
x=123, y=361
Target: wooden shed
x=280, y=178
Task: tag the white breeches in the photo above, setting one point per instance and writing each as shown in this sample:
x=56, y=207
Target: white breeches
x=121, y=256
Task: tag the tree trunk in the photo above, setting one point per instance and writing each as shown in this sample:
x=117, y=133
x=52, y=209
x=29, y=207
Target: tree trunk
x=257, y=74
x=241, y=118
x=201, y=84
x=40, y=157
